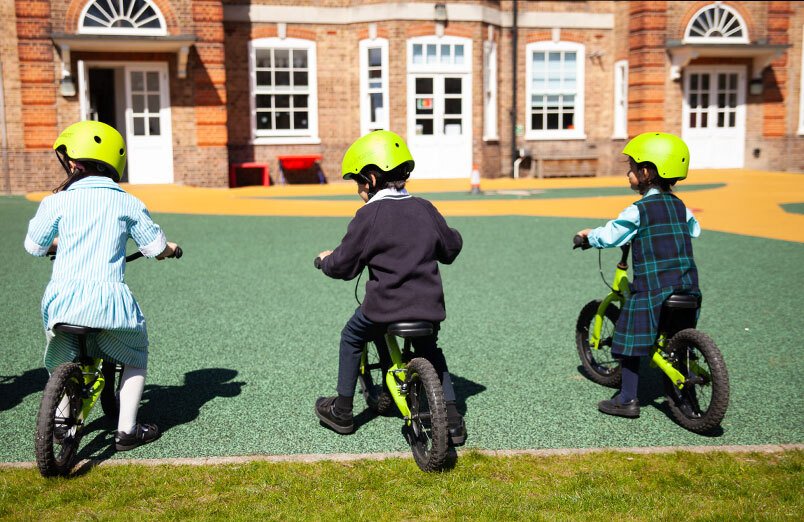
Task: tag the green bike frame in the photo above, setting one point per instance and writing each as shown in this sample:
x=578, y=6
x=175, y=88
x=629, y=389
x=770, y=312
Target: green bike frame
x=93, y=384
x=395, y=376
x=620, y=292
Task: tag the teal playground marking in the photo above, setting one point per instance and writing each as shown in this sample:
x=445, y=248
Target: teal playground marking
x=793, y=208
x=561, y=193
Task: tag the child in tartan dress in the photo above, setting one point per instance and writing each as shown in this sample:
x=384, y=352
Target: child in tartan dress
x=660, y=229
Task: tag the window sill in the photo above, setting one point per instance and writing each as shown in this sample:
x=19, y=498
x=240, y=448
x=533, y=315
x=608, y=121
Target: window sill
x=286, y=140
x=555, y=136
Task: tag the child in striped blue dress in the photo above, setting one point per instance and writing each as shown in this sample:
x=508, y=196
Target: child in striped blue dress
x=659, y=228
x=89, y=220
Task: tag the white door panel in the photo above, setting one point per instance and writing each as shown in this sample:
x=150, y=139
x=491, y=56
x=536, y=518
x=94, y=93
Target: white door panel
x=148, y=128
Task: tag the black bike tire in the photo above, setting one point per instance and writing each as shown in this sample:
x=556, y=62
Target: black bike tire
x=377, y=396
x=50, y=460
x=110, y=396
x=678, y=400
x=421, y=377
x=611, y=379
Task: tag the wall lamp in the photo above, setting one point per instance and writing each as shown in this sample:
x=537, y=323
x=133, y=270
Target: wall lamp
x=755, y=86
x=67, y=87
x=440, y=13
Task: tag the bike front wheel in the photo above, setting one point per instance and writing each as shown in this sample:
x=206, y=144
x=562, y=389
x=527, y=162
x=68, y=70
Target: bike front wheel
x=58, y=427
x=701, y=404
x=372, y=382
x=599, y=365
x=110, y=396
x=427, y=434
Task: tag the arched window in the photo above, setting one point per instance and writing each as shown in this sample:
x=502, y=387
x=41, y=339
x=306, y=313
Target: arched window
x=716, y=23
x=140, y=17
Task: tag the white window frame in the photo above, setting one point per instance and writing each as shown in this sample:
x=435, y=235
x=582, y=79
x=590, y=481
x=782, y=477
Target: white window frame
x=714, y=20
x=152, y=31
x=284, y=136
x=556, y=134
x=491, y=130
x=366, y=125
x=801, y=92
x=620, y=100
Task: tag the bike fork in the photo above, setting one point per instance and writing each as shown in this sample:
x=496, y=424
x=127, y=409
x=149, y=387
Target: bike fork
x=658, y=359
x=396, y=377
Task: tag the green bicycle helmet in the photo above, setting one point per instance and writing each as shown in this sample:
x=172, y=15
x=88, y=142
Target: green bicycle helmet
x=667, y=151
x=92, y=141
x=385, y=149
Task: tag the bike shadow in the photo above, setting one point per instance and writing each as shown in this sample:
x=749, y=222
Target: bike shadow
x=14, y=388
x=166, y=406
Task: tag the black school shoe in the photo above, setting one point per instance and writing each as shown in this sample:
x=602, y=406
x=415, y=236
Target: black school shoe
x=613, y=406
x=338, y=422
x=142, y=434
x=457, y=431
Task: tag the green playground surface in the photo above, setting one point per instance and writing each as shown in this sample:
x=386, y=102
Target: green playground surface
x=244, y=337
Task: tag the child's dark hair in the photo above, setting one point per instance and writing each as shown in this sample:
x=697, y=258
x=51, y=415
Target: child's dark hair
x=653, y=179
x=84, y=169
x=393, y=179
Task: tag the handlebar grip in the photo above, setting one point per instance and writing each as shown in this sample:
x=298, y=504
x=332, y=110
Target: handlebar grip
x=132, y=257
x=178, y=252
x=581, y=242
x=317, y=263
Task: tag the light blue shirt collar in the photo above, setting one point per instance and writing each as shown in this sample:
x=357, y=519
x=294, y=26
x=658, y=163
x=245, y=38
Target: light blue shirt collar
x=95, y=182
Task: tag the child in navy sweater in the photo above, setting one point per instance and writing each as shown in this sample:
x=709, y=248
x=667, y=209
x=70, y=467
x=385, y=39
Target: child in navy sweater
x=401, y=239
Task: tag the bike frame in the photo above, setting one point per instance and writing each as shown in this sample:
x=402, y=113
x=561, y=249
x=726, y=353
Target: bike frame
x=395, y=376
x=93, y=386
x=620, y=291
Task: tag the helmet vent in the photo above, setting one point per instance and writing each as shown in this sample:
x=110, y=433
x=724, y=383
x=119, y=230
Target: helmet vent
x=682, y=160
x=397, y=145
x=97, y=139
x=122, y=152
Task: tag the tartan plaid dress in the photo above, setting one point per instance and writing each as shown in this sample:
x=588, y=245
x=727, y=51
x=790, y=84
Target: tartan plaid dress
x=661, y=254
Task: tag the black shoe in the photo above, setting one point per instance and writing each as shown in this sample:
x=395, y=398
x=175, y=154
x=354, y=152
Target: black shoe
x=457, y=431
x=338, y=422
x=613, y=406
x=142, y=434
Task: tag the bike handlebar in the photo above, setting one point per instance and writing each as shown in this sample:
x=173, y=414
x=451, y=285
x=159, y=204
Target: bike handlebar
x=317, y=262
x=581, y=242
x=136, y=255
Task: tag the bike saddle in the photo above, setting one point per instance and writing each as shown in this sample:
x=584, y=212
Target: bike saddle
x=682, y=301
x=411, y=329
x=75, y=329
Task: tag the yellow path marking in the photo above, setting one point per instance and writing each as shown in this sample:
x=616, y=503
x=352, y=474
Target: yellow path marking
x=749, y=204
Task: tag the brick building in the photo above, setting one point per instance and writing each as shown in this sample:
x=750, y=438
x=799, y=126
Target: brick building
x=195, y=86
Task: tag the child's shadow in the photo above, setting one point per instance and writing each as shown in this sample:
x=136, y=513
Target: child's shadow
x=165, y=406
x=14, y=388
x=464, y=388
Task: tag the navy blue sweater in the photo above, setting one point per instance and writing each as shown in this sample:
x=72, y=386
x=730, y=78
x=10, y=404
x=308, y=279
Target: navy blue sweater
x=401, y=239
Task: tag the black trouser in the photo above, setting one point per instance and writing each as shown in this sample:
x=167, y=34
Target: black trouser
x=360, y=330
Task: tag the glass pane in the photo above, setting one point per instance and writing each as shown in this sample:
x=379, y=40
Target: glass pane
x=263, y=58
x=282, y=78
x=153, y=126
x=570, y=62
x=732, y=118
x=153, y=81
x=139, y=126
x=282, y=58
x=300, y=79
x=694, y=81
x=300, y=120
x=567, y=120
x=300, y=100
x=375, y=73
x=452, y=85
x=299, y=59
x=137, y=81
x=459, y=54
x=733, y=82
x=721, y=118
x=282, y=101
x=552, y=121
x=424, y=86
x=424, y=127
x=704, y=120
x=569, y=100
x=446, y=53
x=453, y=127
x=693, y=99
x=452, y=106
x=264, y=120
x=552, y=102
x=538, y=61
x=264, y=101
x=733, y=100
x=418, y=54
x=375, y=100
x=721, y=100
x=705, y=99
x=693, y=120
x=537, y=122
x=431, y=53
x=264, y=78
x=375, y=57
x=705, y=82
x=283, y=120
x=153, y=103
x=424, y=106
x=138, y=102
x=721, y=81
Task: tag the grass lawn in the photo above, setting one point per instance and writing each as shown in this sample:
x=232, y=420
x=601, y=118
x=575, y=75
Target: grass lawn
x=600, y=486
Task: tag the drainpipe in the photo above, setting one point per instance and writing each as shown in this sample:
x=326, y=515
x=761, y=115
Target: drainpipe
x=513, y=84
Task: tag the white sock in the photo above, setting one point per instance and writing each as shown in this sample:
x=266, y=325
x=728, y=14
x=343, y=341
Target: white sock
x=133, y=382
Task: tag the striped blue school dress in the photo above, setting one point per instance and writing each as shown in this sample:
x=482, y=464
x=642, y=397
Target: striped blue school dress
x=93, y=220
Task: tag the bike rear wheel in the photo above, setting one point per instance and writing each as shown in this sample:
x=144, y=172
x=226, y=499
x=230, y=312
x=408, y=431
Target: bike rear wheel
x=110, y=396
x=701, y=404
x=372, y=382
x=427, y=435
x=599, y=365
x=58, y=429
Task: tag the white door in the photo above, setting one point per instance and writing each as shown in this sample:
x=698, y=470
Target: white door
x=148, y=129
x=440, y=137
x=714, y=116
